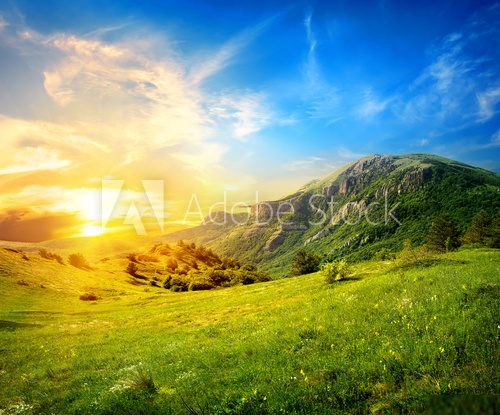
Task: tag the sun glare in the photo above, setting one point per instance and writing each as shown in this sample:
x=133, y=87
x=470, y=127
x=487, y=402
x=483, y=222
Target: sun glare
x=92, y=231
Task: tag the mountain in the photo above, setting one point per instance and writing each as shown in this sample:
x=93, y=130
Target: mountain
x=373, y=203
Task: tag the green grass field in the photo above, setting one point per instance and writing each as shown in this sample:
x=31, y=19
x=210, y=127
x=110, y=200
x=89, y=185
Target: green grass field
x=391, y=339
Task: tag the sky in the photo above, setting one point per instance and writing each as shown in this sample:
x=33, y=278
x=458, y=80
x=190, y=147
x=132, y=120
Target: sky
x=250, y=100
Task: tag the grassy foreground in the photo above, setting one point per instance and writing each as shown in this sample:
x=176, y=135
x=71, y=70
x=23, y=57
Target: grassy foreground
x=389, y=340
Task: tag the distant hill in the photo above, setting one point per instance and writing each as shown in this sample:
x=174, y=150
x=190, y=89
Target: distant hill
x=373, y=203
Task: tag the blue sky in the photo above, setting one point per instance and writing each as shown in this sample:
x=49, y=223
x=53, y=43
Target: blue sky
x=240, y=95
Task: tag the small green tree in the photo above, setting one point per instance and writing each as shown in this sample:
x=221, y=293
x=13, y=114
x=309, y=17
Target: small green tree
x=304, y=263
x=443, y=235
x=479, y=231
x=335, y=271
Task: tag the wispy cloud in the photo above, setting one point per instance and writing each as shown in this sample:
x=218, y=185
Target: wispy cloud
x=136, y=103
x=456, y=85
x=488, y=101
x=322, y=99
x=124, y=109
x=34, y=159
x=226, y=54
x=371, y=106
x=247, y=113
x=316, y=166
x=3, y=23
x=443, y=88
x=494, y=141
x=304, y=164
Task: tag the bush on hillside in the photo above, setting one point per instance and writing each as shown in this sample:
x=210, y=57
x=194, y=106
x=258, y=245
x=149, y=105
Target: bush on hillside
x=335, y=271
x=79, y=261
x=172, y=264
x=147, y=258
x=384, y=254
x=51, y=256
x=304, y=263
x=132, y=269
x=89, y=297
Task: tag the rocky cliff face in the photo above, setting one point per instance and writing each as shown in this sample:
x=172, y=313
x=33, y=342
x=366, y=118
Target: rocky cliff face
x=349, y=190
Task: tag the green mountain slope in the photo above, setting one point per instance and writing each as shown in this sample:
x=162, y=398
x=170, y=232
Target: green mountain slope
x=376, y=202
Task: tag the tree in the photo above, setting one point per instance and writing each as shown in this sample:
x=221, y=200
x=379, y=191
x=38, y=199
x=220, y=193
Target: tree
x=304, y=263
x=443, y=235
x=79, y=261
x=479, y=231
x=132, y=269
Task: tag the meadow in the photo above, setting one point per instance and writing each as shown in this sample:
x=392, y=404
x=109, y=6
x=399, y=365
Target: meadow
x=393, y=338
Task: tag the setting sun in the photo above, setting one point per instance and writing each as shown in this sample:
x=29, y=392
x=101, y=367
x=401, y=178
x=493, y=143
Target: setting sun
x=92, y=231
x=258, y=207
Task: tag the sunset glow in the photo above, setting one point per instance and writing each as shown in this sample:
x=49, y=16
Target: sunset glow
x=92, y=231
x=266, y=102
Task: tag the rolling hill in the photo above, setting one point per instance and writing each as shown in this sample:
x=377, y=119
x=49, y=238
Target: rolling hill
x=393, y=338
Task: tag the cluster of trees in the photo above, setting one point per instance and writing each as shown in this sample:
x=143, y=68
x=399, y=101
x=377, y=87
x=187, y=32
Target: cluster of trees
x=51, y=256
x=443, y=236
x=192, y=267
x=77, y=260
x=212, y=277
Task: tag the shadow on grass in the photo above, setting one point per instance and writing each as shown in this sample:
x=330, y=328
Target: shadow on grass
x=463, y=404
x=14, y=325
x=344, y=281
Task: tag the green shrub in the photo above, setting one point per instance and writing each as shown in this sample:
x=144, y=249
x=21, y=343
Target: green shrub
x=335, y=271
x=384, y=255
x=176, y=282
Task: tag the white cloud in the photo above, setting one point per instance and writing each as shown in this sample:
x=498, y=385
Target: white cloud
x=495, y=139
x=371, y=106
x=304, y=164
x=345, y=154
x=33, y=159
x=224, y=57
x=247, y=113
x=40, y=145
x=487, y=101
x=322, y=100
x=3, y=23
x=128, y=99
x=317, y=166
